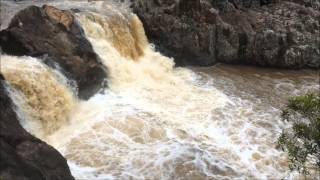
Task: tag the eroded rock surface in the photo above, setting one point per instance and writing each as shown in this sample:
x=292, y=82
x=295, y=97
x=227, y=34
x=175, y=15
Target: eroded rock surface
x=275, y=33
x=54, y=35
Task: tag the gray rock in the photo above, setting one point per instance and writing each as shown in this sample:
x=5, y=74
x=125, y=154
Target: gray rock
x=55, y=36
x=22, y=156
x=275, y=33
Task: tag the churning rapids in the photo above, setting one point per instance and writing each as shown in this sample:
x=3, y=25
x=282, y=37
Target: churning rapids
x=155, y=121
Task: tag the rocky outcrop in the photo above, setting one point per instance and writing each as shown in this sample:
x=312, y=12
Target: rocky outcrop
x=274, y=33
x=315, y=4
x=53, y=35
x=22, y=156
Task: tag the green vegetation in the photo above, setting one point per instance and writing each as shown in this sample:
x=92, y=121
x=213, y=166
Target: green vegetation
x=302, y=140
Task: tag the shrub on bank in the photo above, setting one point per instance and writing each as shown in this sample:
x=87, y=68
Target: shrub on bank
x=302, y=140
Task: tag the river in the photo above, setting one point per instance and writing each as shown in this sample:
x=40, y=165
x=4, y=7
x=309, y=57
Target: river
x=155, y=120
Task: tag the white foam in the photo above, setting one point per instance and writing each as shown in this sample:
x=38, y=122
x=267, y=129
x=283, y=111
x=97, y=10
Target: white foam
x=160, y=122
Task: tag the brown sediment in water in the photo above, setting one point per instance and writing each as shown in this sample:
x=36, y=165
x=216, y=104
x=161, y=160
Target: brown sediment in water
x=160, y=122
x=125, y=32
x=46, y=101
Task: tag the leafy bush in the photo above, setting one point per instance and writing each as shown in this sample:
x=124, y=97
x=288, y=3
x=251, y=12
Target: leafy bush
x=302, y=141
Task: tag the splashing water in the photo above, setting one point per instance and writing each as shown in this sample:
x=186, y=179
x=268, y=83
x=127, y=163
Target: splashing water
x=46, y=100
x=140, y=124
x=123, y=33
x=156, y=121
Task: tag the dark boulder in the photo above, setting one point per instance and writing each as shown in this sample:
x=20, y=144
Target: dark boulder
x=22, y=156
x=55, y=36
x=274, y=33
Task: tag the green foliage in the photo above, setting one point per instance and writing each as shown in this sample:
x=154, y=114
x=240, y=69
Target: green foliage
x=302, y=141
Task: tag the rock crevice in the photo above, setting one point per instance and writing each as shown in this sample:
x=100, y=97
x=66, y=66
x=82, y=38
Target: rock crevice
x=274, y=33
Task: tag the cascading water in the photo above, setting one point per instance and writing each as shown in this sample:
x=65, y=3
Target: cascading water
x=42, y=94
x=156, y=121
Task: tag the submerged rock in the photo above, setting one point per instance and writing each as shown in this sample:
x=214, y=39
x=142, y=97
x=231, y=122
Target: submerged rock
x=55, y=36
x=22, y=156
x=275, y=33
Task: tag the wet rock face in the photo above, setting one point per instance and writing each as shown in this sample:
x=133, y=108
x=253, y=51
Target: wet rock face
x=22, y=156
x=53, y=35
x=276, y=33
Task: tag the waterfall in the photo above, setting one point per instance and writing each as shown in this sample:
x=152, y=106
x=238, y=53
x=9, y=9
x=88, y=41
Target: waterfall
x=125, y=34
x=155, y=120
x=41, y=93
x=150, y=107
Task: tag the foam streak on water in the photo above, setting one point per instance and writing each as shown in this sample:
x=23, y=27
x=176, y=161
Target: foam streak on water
x=160, y=122
x=148, y=124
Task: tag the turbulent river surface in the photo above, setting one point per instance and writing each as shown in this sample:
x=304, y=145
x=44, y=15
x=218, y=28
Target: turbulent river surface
x=155, y=121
